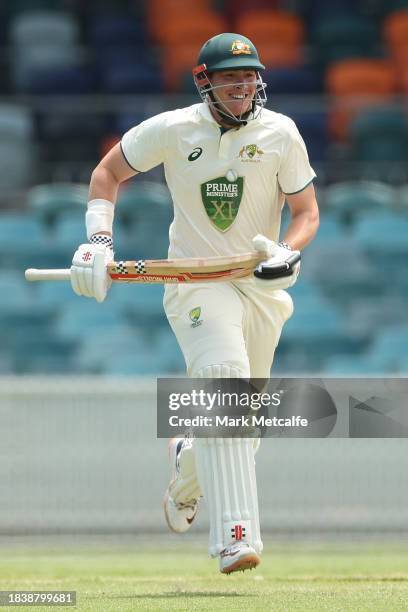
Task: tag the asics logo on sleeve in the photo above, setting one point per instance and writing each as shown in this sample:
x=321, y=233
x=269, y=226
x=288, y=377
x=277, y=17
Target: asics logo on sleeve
x=195, y=154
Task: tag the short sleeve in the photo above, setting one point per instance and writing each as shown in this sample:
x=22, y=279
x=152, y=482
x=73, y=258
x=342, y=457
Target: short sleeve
x=144, y=146
x=295, y=171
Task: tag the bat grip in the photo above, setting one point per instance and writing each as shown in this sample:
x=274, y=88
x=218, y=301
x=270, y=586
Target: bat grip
x=32, y=274
x=277, y=270
x=294, y=259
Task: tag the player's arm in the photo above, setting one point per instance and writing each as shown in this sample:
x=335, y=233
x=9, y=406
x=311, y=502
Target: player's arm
x=282, y=265
x=111, y=171
x=304, y=222
x=88, y=272
x=142, y=147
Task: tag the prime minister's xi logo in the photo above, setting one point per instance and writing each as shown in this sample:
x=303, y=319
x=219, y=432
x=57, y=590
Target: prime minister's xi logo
x=250, y=153
x=221, y=198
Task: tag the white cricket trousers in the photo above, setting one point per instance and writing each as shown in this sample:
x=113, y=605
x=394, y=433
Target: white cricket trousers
x=237, y=324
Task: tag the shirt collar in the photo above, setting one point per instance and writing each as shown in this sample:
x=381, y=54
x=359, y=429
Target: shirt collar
x=205, y=112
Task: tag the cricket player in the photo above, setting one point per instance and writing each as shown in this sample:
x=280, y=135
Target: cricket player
x=229, y=164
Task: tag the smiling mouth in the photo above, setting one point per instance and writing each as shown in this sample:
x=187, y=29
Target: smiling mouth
x=238, y=96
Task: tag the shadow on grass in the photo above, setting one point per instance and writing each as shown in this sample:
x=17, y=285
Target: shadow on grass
x=328, y=579
x=174, y=594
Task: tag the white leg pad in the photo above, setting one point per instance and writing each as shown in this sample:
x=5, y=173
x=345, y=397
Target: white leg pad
x=222, y=370
x=226, y=472
x=256, y=443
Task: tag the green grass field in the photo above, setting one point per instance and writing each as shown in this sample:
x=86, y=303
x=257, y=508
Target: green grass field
x=167, y=575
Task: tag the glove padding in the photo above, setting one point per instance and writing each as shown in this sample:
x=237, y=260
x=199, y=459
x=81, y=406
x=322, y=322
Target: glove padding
x=89, y=275
x=281, y=266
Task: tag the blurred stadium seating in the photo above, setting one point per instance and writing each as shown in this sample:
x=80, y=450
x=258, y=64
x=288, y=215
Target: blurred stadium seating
x=278, y=35
x=88, y=74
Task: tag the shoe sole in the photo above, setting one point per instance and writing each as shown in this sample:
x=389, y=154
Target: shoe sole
x=171, y=450
x=248, y=562
x=172, y=460
x=166, y=516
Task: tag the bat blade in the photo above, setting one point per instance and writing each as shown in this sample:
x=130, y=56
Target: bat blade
x=193, y=270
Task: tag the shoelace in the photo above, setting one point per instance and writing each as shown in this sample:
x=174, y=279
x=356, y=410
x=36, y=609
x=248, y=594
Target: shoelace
x=232, y=549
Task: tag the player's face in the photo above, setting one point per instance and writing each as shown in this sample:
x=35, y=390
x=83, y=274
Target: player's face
x=235, y=89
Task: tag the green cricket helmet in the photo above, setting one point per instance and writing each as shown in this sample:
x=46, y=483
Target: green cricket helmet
x=229, y=51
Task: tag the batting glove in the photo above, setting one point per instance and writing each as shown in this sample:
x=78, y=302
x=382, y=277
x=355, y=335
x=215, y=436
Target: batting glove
x=281, y=266
x=89, y=275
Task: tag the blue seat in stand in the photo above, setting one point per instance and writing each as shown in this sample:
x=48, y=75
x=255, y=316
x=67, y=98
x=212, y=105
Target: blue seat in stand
x=313, y=126
x=341, y=269
x=160, y=356
x=380, y=135
x=21, y=237
x=84, y=315
x=371, y=314
x=110, y=30
x=124, y=121
x=392, y=344
x=383, y=237
x=57, y=295
x=104, y=349
x=48, y=201
x=41, y=39
x=30, y=27
x=292, y=80
x=354, y=365
x=403, y=199
x=145, y=211
x=14, y=290
x=131, y=77
x=73, y=78
x=337, y=37
x=16, y=148
x=144, y=304
x=350, y=199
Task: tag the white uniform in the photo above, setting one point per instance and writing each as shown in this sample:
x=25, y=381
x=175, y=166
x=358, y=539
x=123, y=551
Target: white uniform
x=226, y=188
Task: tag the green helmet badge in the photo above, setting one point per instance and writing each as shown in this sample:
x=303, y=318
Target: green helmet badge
x=239, y=48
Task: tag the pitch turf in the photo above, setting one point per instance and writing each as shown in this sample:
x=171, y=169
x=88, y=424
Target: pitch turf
x=165, y=575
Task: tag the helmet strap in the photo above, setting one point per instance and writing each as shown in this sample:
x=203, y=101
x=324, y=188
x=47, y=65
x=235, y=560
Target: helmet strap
x=225, y=117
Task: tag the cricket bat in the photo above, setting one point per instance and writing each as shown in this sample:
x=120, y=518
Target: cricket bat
x=190, y=270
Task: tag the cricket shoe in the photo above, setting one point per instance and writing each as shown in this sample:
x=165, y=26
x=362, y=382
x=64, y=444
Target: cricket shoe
x=238, y=557
x=182, y=496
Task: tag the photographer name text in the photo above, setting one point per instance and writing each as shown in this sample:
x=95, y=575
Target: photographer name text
x=241, y=421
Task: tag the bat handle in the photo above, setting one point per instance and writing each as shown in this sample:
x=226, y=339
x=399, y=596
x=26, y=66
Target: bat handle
x=32, y=274
x=294, y=259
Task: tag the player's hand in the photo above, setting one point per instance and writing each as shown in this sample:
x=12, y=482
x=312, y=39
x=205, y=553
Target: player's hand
x=89, y=275
x=281, y=266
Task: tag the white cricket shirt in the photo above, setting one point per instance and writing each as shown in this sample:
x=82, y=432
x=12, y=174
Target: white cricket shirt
x=226, y=188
